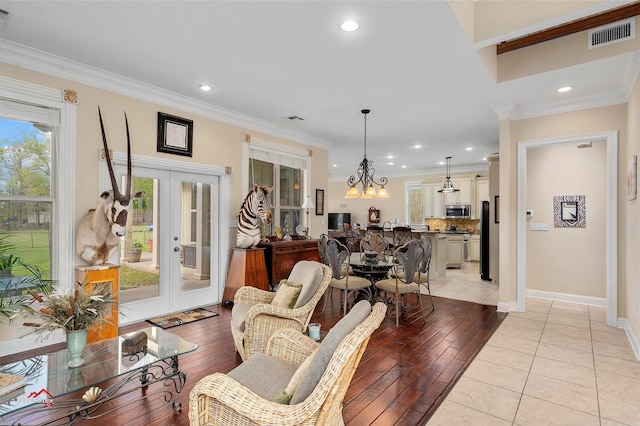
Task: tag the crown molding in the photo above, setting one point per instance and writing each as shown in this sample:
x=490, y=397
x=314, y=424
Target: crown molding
x=57, y=66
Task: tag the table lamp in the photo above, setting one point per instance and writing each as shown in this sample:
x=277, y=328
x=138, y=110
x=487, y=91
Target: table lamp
x=308, y=205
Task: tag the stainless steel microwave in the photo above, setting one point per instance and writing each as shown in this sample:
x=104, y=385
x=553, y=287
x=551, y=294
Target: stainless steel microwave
x=458, y=211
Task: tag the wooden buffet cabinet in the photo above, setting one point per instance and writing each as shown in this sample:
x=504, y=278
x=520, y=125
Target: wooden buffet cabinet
x=280, y=256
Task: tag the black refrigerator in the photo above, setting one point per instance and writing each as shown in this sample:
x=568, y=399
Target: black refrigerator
x=484, y=242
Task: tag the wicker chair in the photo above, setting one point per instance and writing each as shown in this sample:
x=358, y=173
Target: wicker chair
x=218, y=399
x=254, y=319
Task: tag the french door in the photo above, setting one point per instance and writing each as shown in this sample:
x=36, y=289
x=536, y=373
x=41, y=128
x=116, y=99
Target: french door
x=177, y=222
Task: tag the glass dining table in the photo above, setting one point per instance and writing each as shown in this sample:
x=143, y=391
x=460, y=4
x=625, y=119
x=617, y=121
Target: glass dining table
x=374, y=270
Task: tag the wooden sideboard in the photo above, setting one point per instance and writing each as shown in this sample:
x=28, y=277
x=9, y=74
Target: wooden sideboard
x=280, y=256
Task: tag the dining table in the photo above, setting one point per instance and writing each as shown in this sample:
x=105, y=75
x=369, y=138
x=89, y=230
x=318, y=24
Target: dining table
x=373, y=269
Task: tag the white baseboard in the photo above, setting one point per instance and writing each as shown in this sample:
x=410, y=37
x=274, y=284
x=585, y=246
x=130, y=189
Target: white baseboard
x=564, y=297
x=507, y=306
x=633, y=339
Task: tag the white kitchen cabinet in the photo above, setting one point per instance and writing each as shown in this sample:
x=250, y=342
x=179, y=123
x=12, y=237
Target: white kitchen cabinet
x=432, y=200
x=474, y=248
x=455, y=250
x=463, y=196
x=482, y=194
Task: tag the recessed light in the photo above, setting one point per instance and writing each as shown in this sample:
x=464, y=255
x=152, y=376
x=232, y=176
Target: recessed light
x=565, y=89
x=417, y=146
x=390, y=163
x=205, y=87
x=349, y=25
x=469, y=148
x=335, y=165
x=404, y=166
x=389, y=157
x=484, y=158
x=441, y=163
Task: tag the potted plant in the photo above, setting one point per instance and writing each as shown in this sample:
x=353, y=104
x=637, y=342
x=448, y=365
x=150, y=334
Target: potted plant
x=72, y=312
x=136, y=251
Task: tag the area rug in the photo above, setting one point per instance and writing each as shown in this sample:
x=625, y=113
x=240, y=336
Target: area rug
x=180, y=318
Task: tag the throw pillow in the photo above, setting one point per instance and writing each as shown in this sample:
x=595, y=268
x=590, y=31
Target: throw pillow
x=287, y=294
x=284, y=397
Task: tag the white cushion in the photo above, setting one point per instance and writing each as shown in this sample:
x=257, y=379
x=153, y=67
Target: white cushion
x=309, y=274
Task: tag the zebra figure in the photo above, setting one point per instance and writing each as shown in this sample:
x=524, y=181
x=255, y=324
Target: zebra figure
x=255, y=206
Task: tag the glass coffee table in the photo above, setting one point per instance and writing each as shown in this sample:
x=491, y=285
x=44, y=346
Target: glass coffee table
x=133, y=360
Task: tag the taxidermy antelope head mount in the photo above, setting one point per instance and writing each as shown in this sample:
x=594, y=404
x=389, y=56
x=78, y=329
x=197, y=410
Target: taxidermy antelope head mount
x=100, y=229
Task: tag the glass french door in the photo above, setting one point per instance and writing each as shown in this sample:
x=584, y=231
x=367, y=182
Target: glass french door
x=173, y=226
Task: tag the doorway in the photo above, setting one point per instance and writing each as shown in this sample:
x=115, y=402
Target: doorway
x=178, y=224
x=610, y=222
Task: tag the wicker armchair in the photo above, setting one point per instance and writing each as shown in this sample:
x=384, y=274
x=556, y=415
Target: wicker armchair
x=218, y=399
x=254, y=319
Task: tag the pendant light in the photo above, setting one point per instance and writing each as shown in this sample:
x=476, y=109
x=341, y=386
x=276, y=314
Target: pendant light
x=447, y=185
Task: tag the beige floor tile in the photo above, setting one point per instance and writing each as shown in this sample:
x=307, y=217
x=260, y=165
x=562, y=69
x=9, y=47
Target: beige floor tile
x=614, y=336
x=492, y=299
x=607, y=422
x=530, y=315
x=560, y=353
x=620, y=409
x=537, y=305
x=514, y=343
x=563, y=371
x=567, y=330
x=563, y=393
x=524, y=322
x=514, y=359
x=615, y=351
x=598, y=326
x=452, y=414
x=534, y=412
x=496, y=374
x=597, y=313
x=576, y=307
x=620, y=386
x=486, y=398
x=514, y=330
x=621, y=367
x=581, y=321
x=567, y=341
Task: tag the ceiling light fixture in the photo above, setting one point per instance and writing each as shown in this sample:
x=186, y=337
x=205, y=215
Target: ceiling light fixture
x=205, y=87
x=349, y=25
x=365, y=175
x=565, y=89
x=447, y=185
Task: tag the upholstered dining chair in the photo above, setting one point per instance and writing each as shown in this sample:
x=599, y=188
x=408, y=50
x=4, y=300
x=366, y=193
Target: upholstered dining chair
x=309, y=379
x=406, y=277
x=339, y=258
x=255, y=316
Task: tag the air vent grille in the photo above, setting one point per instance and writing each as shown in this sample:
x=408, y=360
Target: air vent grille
x=612, y=33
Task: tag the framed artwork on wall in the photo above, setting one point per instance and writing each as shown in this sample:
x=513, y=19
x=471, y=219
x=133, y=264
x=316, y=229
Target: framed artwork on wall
x=175, y=135
x=632, y=178
x=569, y=211
x=319, y=202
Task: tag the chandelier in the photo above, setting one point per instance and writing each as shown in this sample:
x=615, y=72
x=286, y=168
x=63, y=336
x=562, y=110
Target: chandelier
x=365, y=175
x=447, y=185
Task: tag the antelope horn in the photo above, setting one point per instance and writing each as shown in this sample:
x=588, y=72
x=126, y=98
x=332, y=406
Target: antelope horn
x=127, y=195
x=114, y=182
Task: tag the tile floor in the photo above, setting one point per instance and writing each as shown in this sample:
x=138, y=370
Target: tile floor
x=465, y=284
x=555, y=364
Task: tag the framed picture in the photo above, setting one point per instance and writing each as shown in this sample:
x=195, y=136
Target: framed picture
x=632, y=178
x=319, y=202
x=175, y=135
x=569, y=211
x=496, y=209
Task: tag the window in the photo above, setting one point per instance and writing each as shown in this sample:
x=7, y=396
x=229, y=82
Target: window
x=415, y=203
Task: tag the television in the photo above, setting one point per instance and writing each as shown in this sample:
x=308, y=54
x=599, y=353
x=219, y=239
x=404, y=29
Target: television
x=337, y=220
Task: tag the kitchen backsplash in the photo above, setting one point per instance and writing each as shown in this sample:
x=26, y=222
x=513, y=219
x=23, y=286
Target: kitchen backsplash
x=471, y=225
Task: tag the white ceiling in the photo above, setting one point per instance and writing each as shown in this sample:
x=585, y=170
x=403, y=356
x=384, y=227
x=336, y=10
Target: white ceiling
x=410, y=63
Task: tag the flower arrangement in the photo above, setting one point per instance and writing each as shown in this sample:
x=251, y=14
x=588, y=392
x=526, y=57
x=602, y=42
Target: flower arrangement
x=79, y=310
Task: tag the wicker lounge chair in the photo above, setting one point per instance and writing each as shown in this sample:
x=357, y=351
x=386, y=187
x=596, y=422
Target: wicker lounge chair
x=254, y=319
x=221, y=399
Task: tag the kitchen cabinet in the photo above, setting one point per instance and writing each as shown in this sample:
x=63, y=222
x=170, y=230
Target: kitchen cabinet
x=432, y=200
x=482, y=194
x=455, y=250
x=474, y=248
x=463, y=196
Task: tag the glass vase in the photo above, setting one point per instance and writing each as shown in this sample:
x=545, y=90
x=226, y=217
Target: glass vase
x=76, y=342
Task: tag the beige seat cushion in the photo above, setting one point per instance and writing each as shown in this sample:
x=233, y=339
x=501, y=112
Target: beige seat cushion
x=309, y=274
x=264, y=375
x=353, y=281
x=389, y=285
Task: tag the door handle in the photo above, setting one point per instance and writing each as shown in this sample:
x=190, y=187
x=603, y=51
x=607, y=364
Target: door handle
x=176, y=249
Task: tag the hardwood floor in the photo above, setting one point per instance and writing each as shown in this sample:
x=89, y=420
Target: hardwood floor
x=405, y=373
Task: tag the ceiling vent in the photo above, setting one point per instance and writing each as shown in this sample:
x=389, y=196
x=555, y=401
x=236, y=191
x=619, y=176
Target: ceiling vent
x=612, y=33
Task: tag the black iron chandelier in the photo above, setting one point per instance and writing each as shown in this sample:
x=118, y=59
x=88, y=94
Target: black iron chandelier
x=447, y=185
x=365, y=175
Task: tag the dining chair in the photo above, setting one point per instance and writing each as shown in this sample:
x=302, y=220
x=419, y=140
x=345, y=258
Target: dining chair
x=339, y=258
x=374, y=242
x=408, y=259
x=401, y=235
